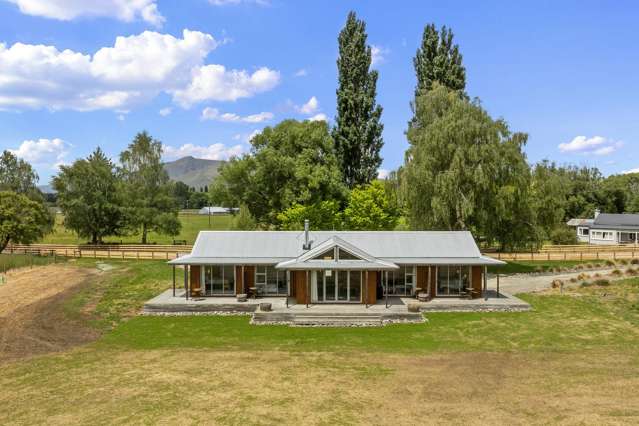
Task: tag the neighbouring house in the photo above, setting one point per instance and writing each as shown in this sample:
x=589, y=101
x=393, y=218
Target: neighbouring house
x=335, y=266
x=607, y=228
x=215, y=210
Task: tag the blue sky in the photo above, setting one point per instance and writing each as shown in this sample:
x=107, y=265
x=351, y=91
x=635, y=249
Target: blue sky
x=204, y=75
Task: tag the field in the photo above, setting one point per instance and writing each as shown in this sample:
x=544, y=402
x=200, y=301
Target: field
x=191, y=225
x=572, y=360
x=8, y=261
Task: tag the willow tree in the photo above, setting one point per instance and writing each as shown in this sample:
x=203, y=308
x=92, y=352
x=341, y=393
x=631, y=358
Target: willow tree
x=358, y=129
x=465, y=171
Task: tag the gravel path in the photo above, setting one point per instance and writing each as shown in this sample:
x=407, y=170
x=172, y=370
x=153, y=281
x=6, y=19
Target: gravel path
x=527, y=283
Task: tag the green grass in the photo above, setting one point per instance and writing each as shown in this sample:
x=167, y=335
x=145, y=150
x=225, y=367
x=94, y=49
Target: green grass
x=11, y=261
x=522, y=267
x=191, y=225
x=578, y=321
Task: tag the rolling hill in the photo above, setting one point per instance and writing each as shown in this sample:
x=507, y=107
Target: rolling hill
x=195, y=172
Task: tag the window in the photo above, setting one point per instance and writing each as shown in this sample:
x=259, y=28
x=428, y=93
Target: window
x=452, y=280
x=271, y=281
x=344, y=255
x=218, y=280
x=583, y=232
x=603, y=235
x=327, y=255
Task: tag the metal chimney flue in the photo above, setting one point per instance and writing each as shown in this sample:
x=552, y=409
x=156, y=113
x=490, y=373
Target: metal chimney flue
x=307, y=241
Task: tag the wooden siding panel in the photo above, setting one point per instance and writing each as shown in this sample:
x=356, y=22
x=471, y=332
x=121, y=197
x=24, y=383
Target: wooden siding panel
x=195, y=280
x=300, y=287
x=433, y=281
x=477, y=278
x=239, y=280
x=372, y=287
x=249, y=277
x=422, y=278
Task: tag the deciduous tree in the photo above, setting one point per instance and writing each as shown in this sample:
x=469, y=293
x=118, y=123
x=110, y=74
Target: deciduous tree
x=22, y=220
x=370, y=208
x=88, y=194
x=148, y=193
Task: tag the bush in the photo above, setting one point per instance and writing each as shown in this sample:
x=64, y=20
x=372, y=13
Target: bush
x=583, y=276
x=590, y=266
x=623, y=262
x=597, y=275
x=556, y=283
x=573, y=280
x=615, y=272
x=586, y=284
x=634, y=261
x=601, y=283
x=610, y=263
x=563, y=235
x=631, y=271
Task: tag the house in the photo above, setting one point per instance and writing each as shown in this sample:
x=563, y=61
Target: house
x=215, y=210
x=335, y=266
x=608, y=228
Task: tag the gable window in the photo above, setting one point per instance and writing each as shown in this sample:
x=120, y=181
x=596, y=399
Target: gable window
x=345, y=255
x=327, y=255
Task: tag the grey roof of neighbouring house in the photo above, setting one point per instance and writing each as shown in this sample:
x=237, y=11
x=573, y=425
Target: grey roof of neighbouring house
x=580, y=222
x=616, y=221
x=271, y=247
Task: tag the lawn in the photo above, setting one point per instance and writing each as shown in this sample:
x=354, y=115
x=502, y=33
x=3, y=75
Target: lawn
x=571, y=360
x=191, y=225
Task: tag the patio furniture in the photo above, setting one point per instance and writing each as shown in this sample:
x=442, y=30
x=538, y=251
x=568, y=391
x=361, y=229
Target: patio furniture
x=417, y=291
x=241, y=297
x=253, y=292
x=265, y=307
x=423, y=297
x=413, y=307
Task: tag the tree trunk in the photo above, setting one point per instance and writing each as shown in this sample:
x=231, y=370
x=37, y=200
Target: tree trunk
x=4, y=243
x=144, y=231
x=94, y=238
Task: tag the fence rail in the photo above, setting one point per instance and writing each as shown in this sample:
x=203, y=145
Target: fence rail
x=168, y=252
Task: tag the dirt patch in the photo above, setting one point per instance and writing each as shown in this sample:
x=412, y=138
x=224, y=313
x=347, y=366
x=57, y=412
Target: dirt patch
x=32, y=315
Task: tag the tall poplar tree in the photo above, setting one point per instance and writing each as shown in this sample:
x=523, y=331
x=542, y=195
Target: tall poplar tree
x=438, y=60
x=358, y=130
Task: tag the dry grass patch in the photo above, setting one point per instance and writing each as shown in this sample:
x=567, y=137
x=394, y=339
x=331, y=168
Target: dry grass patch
x=201, y=386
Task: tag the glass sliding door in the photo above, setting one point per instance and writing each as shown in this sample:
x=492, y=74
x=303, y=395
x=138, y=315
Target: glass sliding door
x=400, y=282
x=337, y=286
x=218, y=280
x=452, y=280
x=270, y=281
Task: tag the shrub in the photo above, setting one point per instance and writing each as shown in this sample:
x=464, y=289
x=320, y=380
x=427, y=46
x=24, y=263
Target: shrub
x=579, y=267
x=583, y=276
x=590, y=266
x=556, y=283
x=597, y=275
x=631, y=271
x=623, y=262
x=601, y=283
x=610, y=263
x=586, y=284
x=615, y=272
x=634, y=261
x=573, y=280
x=563, y=235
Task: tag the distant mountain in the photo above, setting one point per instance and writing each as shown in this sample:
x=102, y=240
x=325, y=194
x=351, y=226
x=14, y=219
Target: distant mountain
x=46, y=189
x=195, y=172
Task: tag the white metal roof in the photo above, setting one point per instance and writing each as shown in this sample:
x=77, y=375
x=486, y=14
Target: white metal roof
x=271, y=247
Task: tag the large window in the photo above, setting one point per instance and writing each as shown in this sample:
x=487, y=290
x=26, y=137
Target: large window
x=400, y=282
x=603, y=235
x=583, y=232
x=452, y=280
x=271, y=281
x=218, y=280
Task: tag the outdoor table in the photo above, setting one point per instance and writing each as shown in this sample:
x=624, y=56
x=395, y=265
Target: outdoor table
x=253, y=291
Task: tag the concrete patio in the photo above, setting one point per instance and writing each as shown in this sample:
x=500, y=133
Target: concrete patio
x=329, y=314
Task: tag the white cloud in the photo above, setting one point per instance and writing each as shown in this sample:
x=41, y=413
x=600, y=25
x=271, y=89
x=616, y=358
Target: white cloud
x=43, y=152
x=216, y=83
x=625, y=172
x=214, y=114
x=135, y=69
x=382, y=173
x=310, y=107
x=165, y=111
x=120, y=117
x=301, y=73
x=319, y=117
x=596, y=145
x=252, y=135
x=66, y=10
x=378, y=54
x=215, y=151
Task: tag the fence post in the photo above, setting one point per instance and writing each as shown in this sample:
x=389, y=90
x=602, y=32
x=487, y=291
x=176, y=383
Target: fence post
x=137, y=255
x=581, y=255
x=614, y=255
x=548, y=255
x=109, y=253
x=564, y=255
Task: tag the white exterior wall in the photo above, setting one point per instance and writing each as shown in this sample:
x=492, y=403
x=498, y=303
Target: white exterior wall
x=598, y=240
